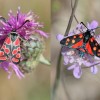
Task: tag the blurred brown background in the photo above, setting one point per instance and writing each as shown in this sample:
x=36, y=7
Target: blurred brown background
x=36, y=85
x=88, y=87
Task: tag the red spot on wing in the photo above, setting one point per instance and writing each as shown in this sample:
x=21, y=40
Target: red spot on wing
x=15, y=60
x=78, y=44
x=98, y=54
x=81, y=49
x=88, y=48
x=3, y=58
x=18, y=55
x=1, y=53
x=3, y=47
x=17, y=42
x=6, y=50
x=18, y=48
x=14, y=51
x=99, y=50
x=92, y=39
x=8, y=40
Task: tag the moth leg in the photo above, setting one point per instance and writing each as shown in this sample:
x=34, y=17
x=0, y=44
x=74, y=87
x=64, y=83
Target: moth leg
x=81, y=54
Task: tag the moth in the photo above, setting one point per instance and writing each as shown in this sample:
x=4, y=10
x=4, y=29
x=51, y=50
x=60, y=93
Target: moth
x=84, y=42
x=11, y=48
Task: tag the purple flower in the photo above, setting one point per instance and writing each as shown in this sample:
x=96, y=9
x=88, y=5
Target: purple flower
x=94, y=69
x=92, y=25
x=10, y=67
x=60, y=37
x=24, y=24
x=71, y=56
x=77, y=72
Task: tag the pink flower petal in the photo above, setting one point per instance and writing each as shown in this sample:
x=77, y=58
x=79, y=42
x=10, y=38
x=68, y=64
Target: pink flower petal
x=98, y=38
x=59, y=37
x=9, y=76
x=92, y=25
x=94, y=70
x=71, y=67
x=77, y=72
x=17, y=71
x=66, y=60
x=86, y=63
x=71, y=33
x=97, y=58
x=71, y=60
x=42, y=33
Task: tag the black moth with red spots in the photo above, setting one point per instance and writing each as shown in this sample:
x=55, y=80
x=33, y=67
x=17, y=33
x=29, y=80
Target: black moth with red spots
x=84, y=42
x=11, y=48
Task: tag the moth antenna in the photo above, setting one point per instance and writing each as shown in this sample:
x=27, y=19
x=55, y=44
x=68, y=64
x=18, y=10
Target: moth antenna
x=84, y=25
x=3, y=19
x=23, y=24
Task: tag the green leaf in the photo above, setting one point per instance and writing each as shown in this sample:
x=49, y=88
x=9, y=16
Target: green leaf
x=43, y=60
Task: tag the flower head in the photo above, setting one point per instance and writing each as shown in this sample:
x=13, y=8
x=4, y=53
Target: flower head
x=72, y=56
x=31, y=44
x=23, y=24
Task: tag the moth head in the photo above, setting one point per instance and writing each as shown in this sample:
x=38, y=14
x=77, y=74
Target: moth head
x=14, y=33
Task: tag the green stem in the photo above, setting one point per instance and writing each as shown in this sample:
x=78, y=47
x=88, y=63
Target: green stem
x=74, y=14
x=57, y=78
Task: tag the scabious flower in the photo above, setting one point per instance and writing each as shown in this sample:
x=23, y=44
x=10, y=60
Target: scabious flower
x=32, y=46
x=72, y=56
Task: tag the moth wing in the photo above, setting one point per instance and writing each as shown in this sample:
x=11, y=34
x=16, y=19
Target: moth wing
x=93, y=47
x=3, y=56
x=16, y=52
x=74, y=41
x=5, y=49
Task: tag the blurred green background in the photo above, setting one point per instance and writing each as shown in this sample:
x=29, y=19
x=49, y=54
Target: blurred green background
x=88, y=87
x=36, y=85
